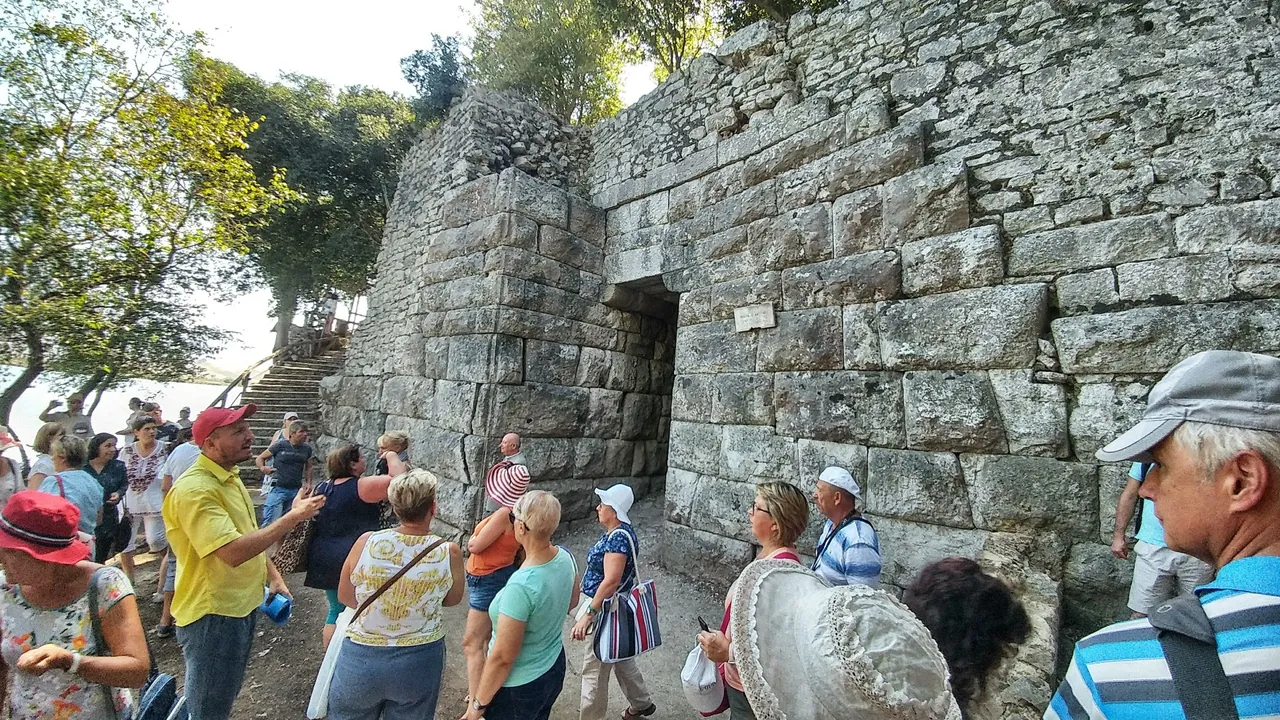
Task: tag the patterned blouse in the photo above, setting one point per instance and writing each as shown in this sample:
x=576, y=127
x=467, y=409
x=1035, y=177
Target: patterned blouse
x=409, y=612
x=56, y=694
x=144, y=494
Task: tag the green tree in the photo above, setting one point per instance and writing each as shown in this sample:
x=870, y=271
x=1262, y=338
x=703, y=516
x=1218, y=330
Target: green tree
x=341, y=156
x=437, y=75
x=115, y=183
x=668, y=33
x=561, y=53
x=734, y=15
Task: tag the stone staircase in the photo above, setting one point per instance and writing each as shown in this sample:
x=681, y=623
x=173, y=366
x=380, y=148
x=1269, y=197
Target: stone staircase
x=289, y=386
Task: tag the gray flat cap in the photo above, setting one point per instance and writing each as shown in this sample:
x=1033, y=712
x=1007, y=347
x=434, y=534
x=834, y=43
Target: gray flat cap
x=1218, y=387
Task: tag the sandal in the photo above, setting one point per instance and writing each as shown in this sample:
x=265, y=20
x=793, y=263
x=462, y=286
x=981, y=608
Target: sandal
x=627, y=714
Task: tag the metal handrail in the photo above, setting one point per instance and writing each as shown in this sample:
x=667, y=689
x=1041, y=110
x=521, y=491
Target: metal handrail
x=242, y=380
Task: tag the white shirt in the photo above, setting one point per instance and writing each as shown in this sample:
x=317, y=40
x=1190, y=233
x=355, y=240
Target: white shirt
x=180, y=458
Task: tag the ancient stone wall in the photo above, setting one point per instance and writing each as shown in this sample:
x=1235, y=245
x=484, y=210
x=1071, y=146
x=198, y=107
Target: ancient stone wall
x=947, y=245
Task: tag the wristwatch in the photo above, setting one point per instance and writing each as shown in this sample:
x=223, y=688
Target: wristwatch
x=475, y=705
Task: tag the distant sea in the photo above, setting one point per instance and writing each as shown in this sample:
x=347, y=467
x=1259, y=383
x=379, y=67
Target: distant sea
x=112, y=411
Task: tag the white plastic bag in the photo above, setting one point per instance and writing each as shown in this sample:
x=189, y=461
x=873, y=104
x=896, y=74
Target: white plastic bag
x=319, y=705
x=702, y=684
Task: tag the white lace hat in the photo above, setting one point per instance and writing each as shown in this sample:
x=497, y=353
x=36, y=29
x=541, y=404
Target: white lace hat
x=808, y=651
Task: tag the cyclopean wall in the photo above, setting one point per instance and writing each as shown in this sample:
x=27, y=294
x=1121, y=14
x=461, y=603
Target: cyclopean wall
x=984, y=230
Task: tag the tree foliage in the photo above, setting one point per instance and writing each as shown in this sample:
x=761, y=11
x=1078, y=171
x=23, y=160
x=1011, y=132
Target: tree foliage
x=733, y=15
x=559, y=52
x=668, y=33
x=438, y=76
x=340, y=155
x=115, y=183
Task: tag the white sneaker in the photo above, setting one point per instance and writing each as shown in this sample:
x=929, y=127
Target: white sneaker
x=157, y=598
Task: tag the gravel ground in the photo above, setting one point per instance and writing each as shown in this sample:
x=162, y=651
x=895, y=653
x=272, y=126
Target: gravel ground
x=283, y=665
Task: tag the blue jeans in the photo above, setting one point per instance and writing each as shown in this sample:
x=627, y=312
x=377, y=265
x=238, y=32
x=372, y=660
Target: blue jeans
x=216, y=650
x=531, y=701
x=481, y=589
x=279, y=500
x=391, y=683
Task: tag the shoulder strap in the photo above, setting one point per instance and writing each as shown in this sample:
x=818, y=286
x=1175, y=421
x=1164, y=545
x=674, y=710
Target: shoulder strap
x=392, y=580
x=1191, y=649
x=62, y=490
x=635, y=559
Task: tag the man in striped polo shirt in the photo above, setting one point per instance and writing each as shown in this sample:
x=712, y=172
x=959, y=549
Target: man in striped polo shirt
x=1212, y=430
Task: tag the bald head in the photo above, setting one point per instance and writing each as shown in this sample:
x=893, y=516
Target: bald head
x=510, y=444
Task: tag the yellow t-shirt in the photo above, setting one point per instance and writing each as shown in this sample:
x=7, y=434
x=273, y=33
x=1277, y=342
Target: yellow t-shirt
x=207, y=508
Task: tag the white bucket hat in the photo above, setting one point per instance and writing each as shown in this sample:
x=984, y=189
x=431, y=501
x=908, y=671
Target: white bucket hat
x=808, y=651
x=620, y=498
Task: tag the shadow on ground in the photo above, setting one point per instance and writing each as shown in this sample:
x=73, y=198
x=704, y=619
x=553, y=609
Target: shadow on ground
x=283, y=666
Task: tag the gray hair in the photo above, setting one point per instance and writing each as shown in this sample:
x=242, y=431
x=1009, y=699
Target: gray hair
x=297, y=425
x=71, y=449
x=1213, y=445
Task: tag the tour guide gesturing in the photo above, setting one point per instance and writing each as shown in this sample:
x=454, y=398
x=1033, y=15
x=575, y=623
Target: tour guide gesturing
x=222, y=567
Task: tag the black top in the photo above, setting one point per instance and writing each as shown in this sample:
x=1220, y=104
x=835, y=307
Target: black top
x=114, y=479
x=342, y=520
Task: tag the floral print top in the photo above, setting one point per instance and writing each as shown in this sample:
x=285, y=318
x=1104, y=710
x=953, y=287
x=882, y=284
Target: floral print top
x=58, y=695
x=408, y=613
x=144, y=494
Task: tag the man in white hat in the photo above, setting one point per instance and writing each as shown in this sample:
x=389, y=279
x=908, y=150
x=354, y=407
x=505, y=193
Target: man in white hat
x=849, y=549
x=1212, y=430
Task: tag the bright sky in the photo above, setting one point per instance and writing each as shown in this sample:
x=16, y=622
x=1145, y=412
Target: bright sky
x=334, y=42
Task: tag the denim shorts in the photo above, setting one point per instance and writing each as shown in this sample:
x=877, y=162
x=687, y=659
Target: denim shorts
x=482, y=588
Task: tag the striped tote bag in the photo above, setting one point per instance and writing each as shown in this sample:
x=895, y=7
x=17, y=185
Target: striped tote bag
x=628, y=622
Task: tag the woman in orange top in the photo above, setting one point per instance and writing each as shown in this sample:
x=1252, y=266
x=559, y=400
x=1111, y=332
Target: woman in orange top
x=492, y=549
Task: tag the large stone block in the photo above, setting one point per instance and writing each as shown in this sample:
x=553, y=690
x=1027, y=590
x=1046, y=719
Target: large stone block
x=1190, y=279
x=586, y=221
x=751, y=290
x=906, y=546
x=1230, y=227
x=640, y=416
x=734, y=398
x=866, y=277
x=983, y=328
x=1096, y=585
x=1112, y=478
x=932, y=200
x=457, y=503
x=814, y=456
x=796, y=237
x=520, y=192
x=1015, y=493
x=919, y=486
x=550, y=362
x=857, y=222
x=486, y=358
x=876, y=160
x=604, y=413
x=1152, y=340
x=570, y=249
x=802, y=340
x=849, y=407
x=755, y=453
x=952, y=411
x=692, y=396
x=1112, y=242
x=468, y=203
x=861, y=338
x=1103, y=412
x=454, y=405
x=695, y=447
x=1035, y=414
x=550, y=458
x=704, y=554
x=1087, y=292
x=408, y=396
x=714, y=347
x=966, y=259
x=538, y=410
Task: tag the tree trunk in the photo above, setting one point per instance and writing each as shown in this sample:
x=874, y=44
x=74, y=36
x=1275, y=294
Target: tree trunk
x=286, y=306
x=103, y=385
x=92, y=384
x=35, y=366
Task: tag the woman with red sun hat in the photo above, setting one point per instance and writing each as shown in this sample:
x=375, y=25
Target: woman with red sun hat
x=55, y=656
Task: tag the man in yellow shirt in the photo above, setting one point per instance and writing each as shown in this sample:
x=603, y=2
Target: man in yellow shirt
x=222, y=568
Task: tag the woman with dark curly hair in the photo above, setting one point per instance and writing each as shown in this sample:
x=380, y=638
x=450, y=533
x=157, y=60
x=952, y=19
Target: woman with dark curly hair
x=973, y=616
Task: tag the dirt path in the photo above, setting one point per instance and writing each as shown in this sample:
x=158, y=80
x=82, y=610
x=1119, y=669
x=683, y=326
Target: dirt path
x=283, y=666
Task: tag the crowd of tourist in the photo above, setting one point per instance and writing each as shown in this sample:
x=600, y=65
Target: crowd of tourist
x=816, y=639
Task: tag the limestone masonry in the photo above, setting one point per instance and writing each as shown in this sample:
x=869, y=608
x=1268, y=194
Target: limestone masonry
x=949, y=246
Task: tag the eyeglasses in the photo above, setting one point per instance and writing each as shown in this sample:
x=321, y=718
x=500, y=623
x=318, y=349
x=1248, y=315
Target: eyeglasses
x=511, y=517
x=756, y=508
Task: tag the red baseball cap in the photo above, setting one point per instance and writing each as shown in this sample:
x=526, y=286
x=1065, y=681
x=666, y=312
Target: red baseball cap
x=43, y=526
x=213, y=418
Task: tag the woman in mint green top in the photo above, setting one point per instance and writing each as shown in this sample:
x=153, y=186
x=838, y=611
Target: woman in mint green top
x=525, y=668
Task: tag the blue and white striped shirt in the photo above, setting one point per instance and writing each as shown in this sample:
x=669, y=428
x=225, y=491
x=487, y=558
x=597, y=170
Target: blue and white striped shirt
x=852, y=557
x=1120, y=672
